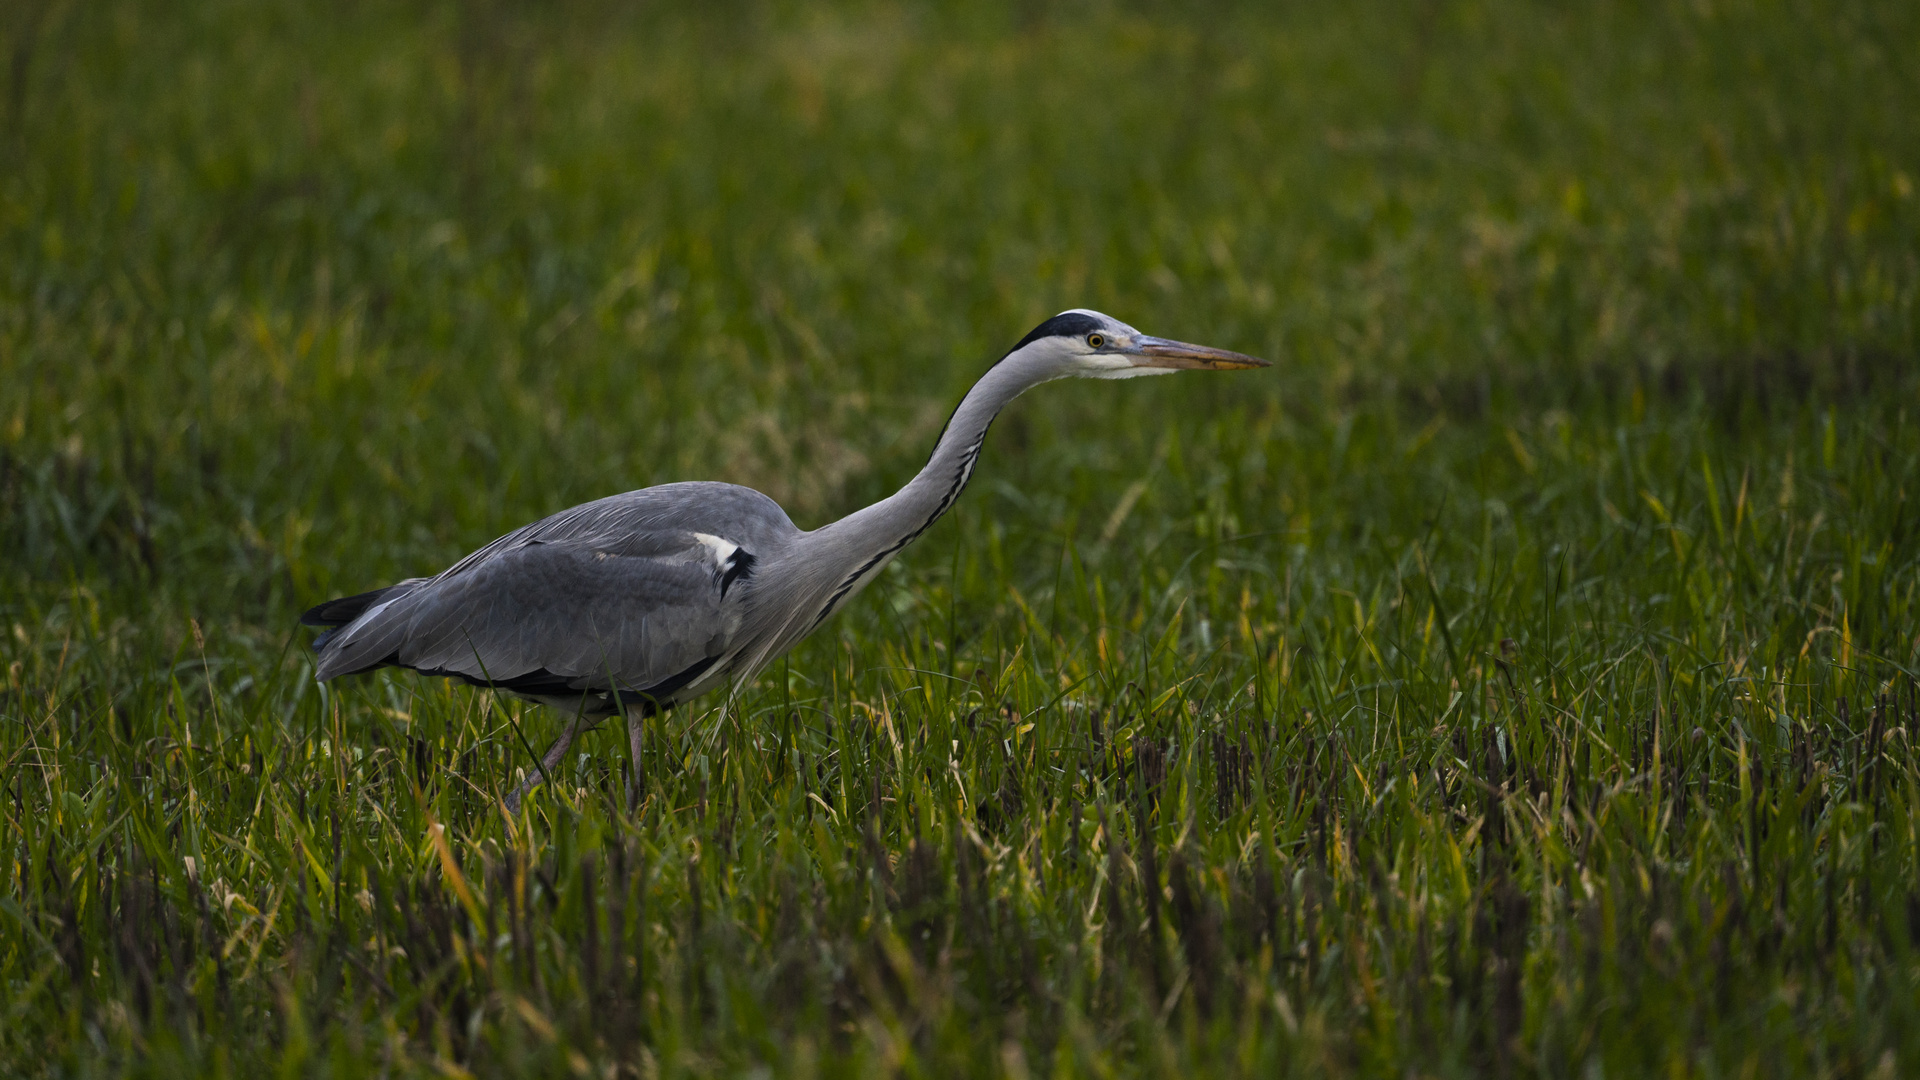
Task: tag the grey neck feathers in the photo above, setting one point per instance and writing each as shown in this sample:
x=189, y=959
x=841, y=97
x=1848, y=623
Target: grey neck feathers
x=857, y=545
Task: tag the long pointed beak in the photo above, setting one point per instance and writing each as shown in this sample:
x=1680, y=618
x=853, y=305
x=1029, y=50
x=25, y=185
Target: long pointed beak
x=1160, y=353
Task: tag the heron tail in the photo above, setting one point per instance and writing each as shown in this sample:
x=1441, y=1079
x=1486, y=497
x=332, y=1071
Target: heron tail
x=342, y=610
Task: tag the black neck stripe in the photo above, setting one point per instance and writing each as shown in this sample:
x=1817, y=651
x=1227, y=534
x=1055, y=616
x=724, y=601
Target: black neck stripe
x=1065, y=324
x=960, y=478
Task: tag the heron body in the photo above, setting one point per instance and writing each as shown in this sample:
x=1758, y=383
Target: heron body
x=637, y=602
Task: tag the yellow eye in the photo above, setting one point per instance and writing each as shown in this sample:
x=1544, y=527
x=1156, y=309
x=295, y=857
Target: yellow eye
x=1097, y=341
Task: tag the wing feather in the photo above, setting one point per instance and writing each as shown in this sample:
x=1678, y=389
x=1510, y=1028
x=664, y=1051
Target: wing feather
x=619, y=594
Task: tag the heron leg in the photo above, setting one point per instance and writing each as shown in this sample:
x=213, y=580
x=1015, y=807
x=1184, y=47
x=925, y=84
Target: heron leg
x=576, y=725
x=636, y=738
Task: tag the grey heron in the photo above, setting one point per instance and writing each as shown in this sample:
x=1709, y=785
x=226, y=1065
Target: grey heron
x=635, y=603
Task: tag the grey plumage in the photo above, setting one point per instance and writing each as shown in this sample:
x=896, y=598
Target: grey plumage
x=636, y=602
x=620, y=595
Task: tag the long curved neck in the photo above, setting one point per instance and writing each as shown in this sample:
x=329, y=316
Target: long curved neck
x=908, y=512
x=857, y=545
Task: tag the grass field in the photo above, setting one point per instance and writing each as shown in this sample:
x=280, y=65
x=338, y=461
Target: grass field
x=1517, y=680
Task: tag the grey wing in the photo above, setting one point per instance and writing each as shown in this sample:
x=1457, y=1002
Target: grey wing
x=646, y=616
x=641, y=593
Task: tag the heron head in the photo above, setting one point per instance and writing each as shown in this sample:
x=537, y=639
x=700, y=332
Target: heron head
x=1089, y=345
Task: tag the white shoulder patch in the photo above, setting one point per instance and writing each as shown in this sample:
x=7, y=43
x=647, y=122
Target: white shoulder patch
x=722, y=549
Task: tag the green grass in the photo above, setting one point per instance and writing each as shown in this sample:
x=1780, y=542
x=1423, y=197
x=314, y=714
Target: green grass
x=1516, y=680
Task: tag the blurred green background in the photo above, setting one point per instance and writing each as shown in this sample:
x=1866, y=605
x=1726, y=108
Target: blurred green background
x=279, y=271
x=1583, y=482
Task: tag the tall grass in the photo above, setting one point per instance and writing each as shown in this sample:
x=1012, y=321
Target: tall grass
x=1518, y=680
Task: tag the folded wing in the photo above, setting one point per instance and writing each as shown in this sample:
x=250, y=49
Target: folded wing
x=607, y=598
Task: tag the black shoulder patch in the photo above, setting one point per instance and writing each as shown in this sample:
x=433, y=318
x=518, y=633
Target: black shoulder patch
x=739, y=565
x=1065, y=324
